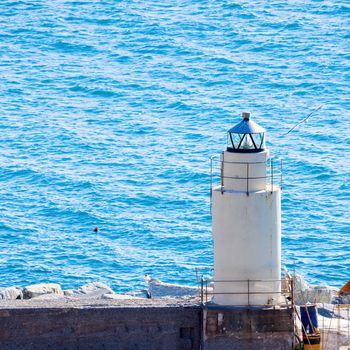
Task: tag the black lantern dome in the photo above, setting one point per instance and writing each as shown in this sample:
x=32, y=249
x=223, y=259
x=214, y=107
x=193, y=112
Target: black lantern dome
x=246, y=136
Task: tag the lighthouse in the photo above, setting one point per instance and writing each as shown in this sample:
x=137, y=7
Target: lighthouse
x=246, y=219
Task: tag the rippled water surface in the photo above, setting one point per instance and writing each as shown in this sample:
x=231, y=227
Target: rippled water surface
x=111, y=109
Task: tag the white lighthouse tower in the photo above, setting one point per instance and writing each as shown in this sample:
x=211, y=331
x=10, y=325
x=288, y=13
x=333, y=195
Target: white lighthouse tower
x=246, y=212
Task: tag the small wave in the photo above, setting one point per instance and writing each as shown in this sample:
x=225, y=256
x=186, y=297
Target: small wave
x=70, y=47
x=293, y=26
x=96, y=92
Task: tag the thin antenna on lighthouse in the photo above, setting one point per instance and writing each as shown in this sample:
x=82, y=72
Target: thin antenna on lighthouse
x=304, y=120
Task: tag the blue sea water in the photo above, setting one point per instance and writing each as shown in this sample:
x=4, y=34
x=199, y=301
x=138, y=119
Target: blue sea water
x=111, y=109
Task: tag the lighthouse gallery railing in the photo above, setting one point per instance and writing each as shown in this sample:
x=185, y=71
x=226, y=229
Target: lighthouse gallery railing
x=207, y=290
x=273, y=173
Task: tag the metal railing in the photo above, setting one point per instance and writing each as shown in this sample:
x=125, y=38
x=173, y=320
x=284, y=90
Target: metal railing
x=335, y=330
x=207, y=290
x=272, y=178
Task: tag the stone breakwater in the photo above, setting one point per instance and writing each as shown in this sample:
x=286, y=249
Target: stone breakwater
x=303, y=292
x=97, y=290
x=53, y=291
x=307, y=293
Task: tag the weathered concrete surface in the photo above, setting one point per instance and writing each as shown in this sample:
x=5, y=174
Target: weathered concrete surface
x=108, y=325
x=140, y=324
x=247, y=328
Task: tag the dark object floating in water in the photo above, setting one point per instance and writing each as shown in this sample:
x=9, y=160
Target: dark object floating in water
x=96, y=229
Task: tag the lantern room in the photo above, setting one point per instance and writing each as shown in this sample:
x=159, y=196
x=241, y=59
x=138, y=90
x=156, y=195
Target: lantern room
x=246, y=136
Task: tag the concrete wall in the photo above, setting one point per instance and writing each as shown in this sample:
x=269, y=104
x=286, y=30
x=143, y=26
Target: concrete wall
x=247, y=329
x=96, y=328
x=122, y=327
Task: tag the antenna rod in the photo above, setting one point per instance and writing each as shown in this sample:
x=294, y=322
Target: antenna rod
x=304, y=120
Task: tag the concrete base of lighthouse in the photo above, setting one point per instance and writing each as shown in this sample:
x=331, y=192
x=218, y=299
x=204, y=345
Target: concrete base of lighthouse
x=226, y=327
x=247, y=247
